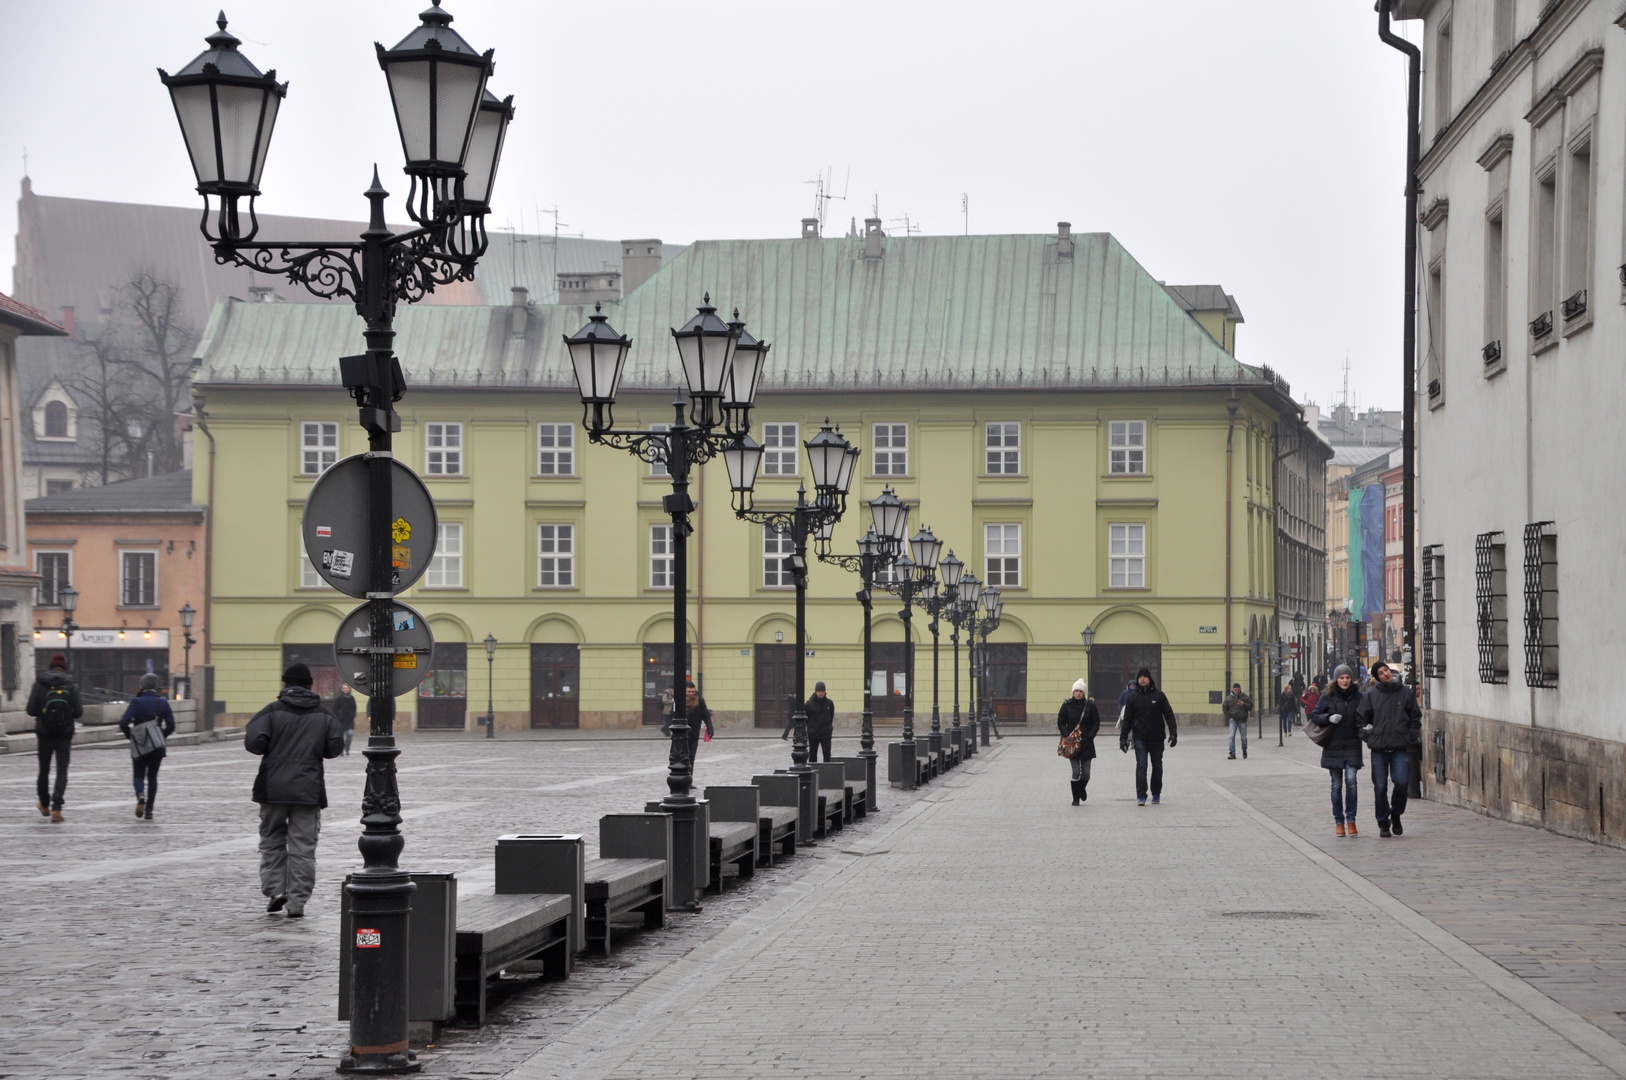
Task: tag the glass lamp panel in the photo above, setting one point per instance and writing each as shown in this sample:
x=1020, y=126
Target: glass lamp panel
x=990, y=597
x=716, y=361
x=870, y=544
x=688, y=346
x=750, y=356
x=485, y=150
x=742, y=459
x=825, y=453
x=925, y=548
x=971, y=589
x=195, y=111
x=409, y=92
x=241, y=109
x=273, y=102
x=826, y=530
x=849, y=466
x=457, y=99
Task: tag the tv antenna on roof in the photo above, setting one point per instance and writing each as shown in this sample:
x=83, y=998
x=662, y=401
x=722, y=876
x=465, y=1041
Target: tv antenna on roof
x=514, y=240
x=910, y=228
x=822, y=187
x=965, y=210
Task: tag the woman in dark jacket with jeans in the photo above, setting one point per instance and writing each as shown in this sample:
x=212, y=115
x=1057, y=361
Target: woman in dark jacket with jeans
x=147, y=706
x=1342, y=756
x=1079, y=711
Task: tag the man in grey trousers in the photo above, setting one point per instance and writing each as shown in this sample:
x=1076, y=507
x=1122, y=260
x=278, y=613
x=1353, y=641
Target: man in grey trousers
x=293, y=736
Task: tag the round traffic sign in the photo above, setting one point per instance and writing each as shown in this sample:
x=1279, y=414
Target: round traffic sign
x=414, y=649
x=336, y=534
x=1293, y=650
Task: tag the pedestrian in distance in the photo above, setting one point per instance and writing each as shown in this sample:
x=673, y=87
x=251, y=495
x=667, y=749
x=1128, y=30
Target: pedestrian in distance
x=1341, y=754
x=54, y=703
x=147, y=722
x=1287, y=707
x=1079, y=713
x=293, y=736
x=699, y=715
x=1238, y=707
x=821, y=722
x=344, y=711
x=1147, y=719
x=1390, y=723
x=1310, y=697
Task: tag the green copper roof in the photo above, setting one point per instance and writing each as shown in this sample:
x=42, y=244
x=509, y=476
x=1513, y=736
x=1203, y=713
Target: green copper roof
x=931, y=312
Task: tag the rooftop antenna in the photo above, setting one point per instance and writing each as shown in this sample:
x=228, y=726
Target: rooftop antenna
x=965, y=211
x=25, y=161
x=821, y=193
x=909, y=228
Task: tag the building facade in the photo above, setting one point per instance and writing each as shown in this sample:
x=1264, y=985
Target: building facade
x=1054, y=416
x=1301, y=543
x=1521, y=330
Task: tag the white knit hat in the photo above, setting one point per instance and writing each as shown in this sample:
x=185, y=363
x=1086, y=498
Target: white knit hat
x=1082, y=685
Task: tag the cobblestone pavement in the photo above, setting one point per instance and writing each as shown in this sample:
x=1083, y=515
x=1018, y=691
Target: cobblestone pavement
x=979, y=928
x=142, y=949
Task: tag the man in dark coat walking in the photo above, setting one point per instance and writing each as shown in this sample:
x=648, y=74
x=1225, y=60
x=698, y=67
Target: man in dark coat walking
x=1390, y=721
x=292, y=736
x=54, y=703
x=344, y=711
x=821, y=722
x=1147, y=718
x=1079, y=711
x=697, y=714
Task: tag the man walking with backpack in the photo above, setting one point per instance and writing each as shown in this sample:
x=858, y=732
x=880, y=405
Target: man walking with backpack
x=293, y=736
x=54, y=703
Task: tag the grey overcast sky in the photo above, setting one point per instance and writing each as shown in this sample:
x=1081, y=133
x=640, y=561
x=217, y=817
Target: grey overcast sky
x=1254, y=145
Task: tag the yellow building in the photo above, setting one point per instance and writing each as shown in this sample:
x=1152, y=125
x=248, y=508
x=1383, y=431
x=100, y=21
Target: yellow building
x=1039, y=400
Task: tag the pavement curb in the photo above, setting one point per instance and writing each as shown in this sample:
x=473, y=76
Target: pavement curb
x=1587, y=1037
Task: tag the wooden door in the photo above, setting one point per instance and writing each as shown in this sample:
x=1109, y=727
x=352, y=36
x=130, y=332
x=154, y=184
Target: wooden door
x=657, y=676
x=888, y=677
x=1008, y=681
x=443, y=696
x=775, y=685
x=555, y=686
x=1113, y=666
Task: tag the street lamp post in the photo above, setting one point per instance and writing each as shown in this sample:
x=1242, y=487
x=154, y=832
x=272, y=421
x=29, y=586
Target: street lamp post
x=943, y=602
x=68, y=597
x=491, y=662
x=992, y=607
x=452, y=134
x=964, y=613
x=913, y=574
x=1088, y=635
x=722, y=365
x=833, y=460
x=188, y=614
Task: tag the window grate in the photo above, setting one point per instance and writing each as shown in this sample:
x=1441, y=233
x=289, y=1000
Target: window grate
x=1490, y=606
x=1541, y=325
x=1540, y=605
x=1433, y=612
x=1575, y=305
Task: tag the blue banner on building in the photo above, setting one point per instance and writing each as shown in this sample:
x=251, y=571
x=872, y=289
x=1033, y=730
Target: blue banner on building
x=1372, y=599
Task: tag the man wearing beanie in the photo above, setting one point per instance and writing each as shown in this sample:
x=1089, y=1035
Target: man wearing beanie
x=292, y=736
x=54, y=704
x=821, y=722
x=1147, y=720
x=1390, y=722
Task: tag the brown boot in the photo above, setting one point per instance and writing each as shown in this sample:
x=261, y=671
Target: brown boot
x=1350, y=830
x=1338, y=831
x=57, y=818
x=43, y=811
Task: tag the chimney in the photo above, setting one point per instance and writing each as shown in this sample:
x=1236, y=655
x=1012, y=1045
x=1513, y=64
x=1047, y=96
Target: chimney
x=640, y=260
x=872, y=238
x=519, y=311
x=810, y=228
x=1064, y=239
x=67, y=319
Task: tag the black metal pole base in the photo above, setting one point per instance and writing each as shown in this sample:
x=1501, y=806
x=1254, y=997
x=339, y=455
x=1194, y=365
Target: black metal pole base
x=380, y=903
x=689, y=853
x=870, y=756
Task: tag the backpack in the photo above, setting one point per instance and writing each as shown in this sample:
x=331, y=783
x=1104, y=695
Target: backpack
x=56, y=713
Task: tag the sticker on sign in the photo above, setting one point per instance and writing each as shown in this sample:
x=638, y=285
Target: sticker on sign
x=338, y=563
x=324, y=530
x=368, y=939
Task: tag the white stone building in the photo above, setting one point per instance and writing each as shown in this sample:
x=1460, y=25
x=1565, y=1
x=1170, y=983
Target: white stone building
x=1521, y=391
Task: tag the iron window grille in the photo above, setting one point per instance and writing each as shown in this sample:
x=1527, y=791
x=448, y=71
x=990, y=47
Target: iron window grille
x=1433, y=388
x=1492, y=352
x=1575, y=304
x=1490, y=606
x=1542, y=325
x=1540, y=605
x=1434, y=611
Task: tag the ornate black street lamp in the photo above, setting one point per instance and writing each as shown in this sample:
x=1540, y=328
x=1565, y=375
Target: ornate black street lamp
x=992, y=608
x=452, y=139
x=963, y=613
x=1088, y=635
x=722, y=365
x=875, y=552
x=188, y=613
x=491, y=674
x=68, y=597
x=941, y=603
x=833, y=460
x=914, y=578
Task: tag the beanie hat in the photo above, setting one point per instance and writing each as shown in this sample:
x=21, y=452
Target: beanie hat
x=297, y=674
x=817, y=687
x=149, y=681
x=1082, y=685
x=1342, y=669
x=59, y=661
x=1143, y=671
x=1379, y=666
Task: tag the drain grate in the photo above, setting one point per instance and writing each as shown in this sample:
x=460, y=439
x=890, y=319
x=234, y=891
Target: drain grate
x=1270, y=914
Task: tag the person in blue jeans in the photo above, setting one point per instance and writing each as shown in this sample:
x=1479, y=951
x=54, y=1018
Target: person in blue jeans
x=1147, y=718
x=145, y=706
x=1390, y=722
x=1341, y=753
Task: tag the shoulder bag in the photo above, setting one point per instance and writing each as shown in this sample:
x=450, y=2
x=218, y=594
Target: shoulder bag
x=1071, y=742
x=1318, y=732
x=146, y=738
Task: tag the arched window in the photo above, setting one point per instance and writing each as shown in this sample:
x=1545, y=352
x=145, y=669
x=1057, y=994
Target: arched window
x=56, y=420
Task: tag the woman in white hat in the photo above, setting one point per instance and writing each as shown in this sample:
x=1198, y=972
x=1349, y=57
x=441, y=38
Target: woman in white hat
x=1079, y=712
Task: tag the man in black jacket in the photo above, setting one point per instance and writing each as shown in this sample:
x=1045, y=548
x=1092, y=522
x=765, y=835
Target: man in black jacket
x=1147, y=719
x=54, y=703
x=821, y=722
x=293, y=736
x=1390, y=721
x=344, y=711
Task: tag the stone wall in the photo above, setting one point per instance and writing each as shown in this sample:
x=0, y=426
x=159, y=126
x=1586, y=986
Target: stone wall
x=1571, y=784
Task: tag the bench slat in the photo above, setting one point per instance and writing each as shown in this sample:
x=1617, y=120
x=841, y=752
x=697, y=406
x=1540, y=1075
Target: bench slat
x=609, y=878
x=486, y=923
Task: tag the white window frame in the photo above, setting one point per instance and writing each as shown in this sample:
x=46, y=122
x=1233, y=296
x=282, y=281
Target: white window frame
x=124, y=577
x=779, y=457
x=316, y=458
x=440, y=456
x=889, y=457
x=1126, y=555
x=1122, y=448
x=1002, y=545
x=309, y=576
x=556, y=458
x=446, y=568
x=658, y=469
x=1002, y=448
x=777, y=548
x=555, y=555
x=662, y=557
x=39, y=593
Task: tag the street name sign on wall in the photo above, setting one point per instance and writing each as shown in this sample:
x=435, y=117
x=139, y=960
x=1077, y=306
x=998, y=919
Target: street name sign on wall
x=335, y=527
x=413, y=650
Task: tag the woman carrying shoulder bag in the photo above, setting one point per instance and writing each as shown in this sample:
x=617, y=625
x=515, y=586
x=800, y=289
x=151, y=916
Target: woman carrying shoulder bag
x=1341, y=754
x=147, y=723
x=1079, y=715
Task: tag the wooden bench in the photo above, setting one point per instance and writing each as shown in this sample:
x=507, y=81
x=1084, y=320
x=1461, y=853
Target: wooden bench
x=830, y=810
x=498, y=931
x=933, y=758
x=906, y=774
x=633, y=874
x=734, y=831
x=833, y=776
x=780, y=792
x=857, y=771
